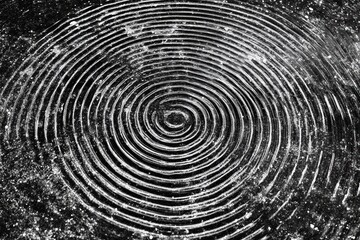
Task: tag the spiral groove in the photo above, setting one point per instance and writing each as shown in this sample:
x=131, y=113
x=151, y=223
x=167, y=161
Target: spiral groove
x=164, y=112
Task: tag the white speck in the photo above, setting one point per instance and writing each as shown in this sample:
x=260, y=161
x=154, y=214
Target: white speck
x=173, y=29
x=256, y=57
x=129, y=30
x=100, y=21
x=166, y=32
x=133, y=30
x=296, y=237
x=56, y=171
x=248, y=215
x=127, y=110
x=57, y=50
x=28, y=71
x=313, y=227
x=74, y=23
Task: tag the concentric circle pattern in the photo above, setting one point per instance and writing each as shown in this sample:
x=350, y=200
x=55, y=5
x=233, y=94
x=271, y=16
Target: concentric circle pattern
x=173, y=118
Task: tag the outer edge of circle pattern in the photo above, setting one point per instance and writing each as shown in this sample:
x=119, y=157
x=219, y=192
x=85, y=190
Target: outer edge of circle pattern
x=243, y=82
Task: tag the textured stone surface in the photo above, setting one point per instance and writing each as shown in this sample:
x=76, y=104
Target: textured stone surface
x=314, y=195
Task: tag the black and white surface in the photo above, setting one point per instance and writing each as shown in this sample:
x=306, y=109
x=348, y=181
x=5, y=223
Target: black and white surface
x=180, y=120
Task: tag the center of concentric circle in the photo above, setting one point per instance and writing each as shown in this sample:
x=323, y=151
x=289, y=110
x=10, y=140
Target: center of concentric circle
x=175, y=118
